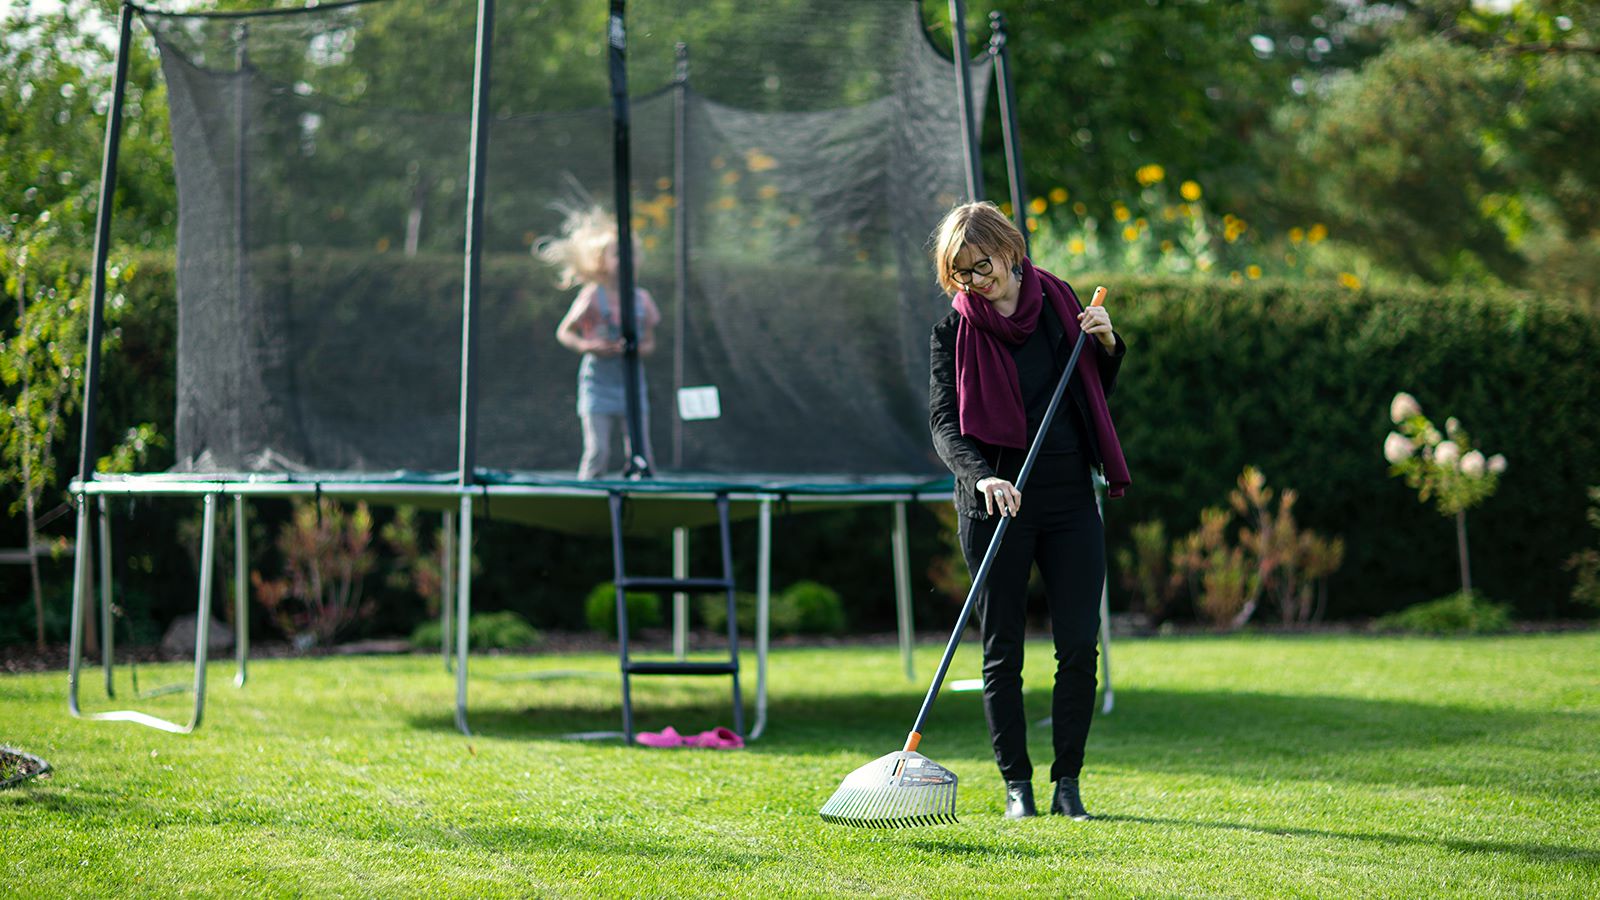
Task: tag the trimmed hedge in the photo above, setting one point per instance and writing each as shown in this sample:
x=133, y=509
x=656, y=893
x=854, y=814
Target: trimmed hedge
x=1297, y=379
x=1293, y=378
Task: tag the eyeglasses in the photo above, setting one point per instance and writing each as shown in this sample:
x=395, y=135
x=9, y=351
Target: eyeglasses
x=964, y=276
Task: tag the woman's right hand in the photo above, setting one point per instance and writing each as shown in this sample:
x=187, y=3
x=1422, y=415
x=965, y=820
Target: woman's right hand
x=602, y=347
x=1002, y=494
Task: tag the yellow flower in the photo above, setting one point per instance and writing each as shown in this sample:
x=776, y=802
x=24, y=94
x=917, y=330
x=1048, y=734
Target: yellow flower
x=1037, y=206
x=1033, y=224
x=1141, y=222
x=725, y=203
x=730, y=177
x=767, y=192
x=1168, y=213
x=1166, y=246
x=1058, y=195
x=1190, y=191
x=1350, y=281
x=1076, y=246
x=1130, y=233
x=1006, y=208
x=1150, y=174
x=1317, y=233
x=1235, y=277
x=1120, y=212
x=758, y=161
x=1296, y=235
x=1253, y=272
x=663, y=183
x=1079, y=209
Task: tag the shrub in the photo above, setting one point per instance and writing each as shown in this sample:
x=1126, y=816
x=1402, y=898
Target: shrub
x=600, y=609
x=1146, y=571
x=1460, y=613
x=714, y=610
x=327, y=554
x=816, y=607
x=486, y=631
x=1586, y=562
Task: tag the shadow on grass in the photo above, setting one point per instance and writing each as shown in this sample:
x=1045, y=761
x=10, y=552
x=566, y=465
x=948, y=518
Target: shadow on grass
x=1552, y=853
x=1247, y=735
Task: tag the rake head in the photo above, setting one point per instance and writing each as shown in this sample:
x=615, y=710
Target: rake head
x=902, y=790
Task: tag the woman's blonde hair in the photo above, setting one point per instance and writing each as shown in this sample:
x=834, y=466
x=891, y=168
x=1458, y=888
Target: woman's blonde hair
x=984, y=228
x=579, y=253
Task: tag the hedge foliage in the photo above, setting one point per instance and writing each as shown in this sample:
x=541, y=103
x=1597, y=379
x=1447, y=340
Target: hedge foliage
x=1293, y=378
x=1296, y=379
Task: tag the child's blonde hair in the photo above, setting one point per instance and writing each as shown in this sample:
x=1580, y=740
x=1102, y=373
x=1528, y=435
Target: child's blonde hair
x=984, y=228
x=579, y=254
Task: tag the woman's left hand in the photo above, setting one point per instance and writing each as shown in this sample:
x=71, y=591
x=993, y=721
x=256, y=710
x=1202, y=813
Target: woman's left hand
x=1096, y=321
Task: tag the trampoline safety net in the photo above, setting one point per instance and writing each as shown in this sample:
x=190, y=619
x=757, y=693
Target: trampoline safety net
x=321, y=162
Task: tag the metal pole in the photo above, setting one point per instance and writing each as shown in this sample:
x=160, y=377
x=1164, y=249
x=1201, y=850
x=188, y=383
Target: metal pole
x=680, y=239
x=463, y=612
x=91, y=365
x=447, y=584
x=680, y=600
x=107, y=654
x=617, y=36
x=763, y=611
x=902, y=586
x=1105, y=615
x=1009, y=131
x=477, y=167
x=241, y=596
x=969, y=118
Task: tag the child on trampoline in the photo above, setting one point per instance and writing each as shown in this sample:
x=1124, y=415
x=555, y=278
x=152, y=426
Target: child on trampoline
x=585, y=255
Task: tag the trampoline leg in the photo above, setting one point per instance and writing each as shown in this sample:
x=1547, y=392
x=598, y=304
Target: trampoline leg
x=463, y=612
x=1105, y=622
x=763, y=612
x=241, y=594
x=80, y=587
x=902, y=587
x=107, y=645
x=447, y=585
x=680, y=600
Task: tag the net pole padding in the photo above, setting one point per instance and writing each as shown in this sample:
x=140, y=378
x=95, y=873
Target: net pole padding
x=1011, y=134
x=102, y=247
x=969, y=115
x=477, y=168
x=621, y=148
x=680, y=231
x=241, y=237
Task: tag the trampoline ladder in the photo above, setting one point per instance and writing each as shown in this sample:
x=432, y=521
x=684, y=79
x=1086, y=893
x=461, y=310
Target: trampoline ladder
x=723, y=585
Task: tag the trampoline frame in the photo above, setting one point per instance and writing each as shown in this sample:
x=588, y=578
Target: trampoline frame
x=456, y=500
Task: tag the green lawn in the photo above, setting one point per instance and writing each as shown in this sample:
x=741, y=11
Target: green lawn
x=1328, y=766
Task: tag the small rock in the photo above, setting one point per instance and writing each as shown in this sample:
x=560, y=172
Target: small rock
x=179, y=639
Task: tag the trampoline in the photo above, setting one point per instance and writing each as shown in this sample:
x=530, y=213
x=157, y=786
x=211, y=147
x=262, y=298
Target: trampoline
x=360, y=318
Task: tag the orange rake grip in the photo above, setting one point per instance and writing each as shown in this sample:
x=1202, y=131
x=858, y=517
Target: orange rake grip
x=912, y=740
x=1099, y=296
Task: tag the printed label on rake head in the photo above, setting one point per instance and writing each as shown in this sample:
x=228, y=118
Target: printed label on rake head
x=925, y=772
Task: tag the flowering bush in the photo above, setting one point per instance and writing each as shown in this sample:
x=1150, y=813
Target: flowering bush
x=1443, y=468
x=1586, y=563
x=327, y=555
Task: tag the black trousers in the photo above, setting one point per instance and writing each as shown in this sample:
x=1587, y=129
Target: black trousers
x=1059, y=530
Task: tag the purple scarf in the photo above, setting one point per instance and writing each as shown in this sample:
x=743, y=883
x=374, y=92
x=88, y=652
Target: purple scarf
x=989, y=398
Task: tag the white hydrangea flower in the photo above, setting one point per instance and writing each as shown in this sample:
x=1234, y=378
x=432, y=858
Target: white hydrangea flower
x=1497, y=463
x=1397, y=448
x=1446, y=453
x=1403, y=407
x=1452, y=427
x=1473, y=463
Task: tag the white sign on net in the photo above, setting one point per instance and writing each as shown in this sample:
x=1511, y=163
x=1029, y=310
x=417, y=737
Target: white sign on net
x=702, y=402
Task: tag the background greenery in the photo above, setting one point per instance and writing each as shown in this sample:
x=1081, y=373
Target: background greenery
x=1302, y=206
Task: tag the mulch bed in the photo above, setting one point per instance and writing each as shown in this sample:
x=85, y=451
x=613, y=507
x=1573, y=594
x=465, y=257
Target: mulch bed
x=17, y=767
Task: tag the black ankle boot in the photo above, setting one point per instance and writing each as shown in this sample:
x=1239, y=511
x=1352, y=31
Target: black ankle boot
x=1066, y=801
x=1019, y=800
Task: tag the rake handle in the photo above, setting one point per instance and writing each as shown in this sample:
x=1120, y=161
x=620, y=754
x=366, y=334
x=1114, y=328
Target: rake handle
x=982, y=575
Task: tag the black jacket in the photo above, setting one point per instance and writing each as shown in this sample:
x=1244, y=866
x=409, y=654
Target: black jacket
x=973, y=460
